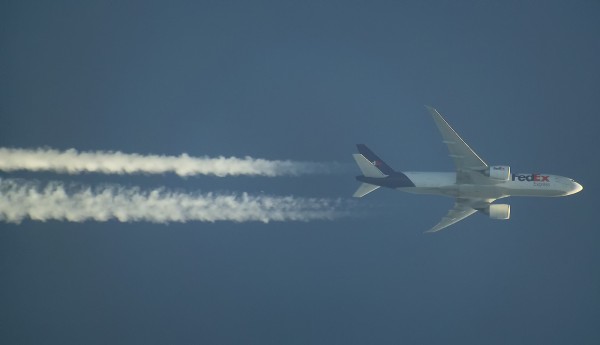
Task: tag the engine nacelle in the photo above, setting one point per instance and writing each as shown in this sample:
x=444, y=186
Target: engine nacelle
x=499, y=172
x=499, y=211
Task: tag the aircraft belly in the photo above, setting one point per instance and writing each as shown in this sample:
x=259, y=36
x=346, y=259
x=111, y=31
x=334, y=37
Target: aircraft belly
x=459, y=191
x=534, y=192
x=446, y=190
x=481, y=191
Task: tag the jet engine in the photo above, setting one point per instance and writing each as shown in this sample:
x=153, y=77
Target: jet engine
x=499, y=211
x=499, y=172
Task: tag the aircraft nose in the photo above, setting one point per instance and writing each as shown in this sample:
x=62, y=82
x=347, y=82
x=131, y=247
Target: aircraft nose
x=576, y=188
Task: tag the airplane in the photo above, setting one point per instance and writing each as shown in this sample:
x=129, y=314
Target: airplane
x=474, y=184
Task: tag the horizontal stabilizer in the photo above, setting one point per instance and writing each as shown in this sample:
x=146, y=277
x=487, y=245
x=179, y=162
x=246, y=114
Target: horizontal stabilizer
x=366, y=167
x=364, y=189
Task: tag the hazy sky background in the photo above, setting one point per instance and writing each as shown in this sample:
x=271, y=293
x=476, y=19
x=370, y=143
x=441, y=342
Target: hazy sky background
x=520, y=81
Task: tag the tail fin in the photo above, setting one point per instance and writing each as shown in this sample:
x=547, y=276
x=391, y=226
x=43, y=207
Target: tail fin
x=376, y=173
x=376, y=161
x=366, y=167
x=364, y=189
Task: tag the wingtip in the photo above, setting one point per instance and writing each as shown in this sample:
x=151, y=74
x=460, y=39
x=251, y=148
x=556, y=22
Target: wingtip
x=431, y=109
x=432, y=230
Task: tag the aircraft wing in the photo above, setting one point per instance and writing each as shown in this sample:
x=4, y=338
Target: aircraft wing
x=461, y=210
x=468, y=163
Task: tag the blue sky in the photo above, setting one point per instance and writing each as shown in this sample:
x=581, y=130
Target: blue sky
x=290, y=80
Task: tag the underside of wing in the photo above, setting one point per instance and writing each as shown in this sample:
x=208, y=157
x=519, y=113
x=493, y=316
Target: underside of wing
x=465, y=159
x=461, y=210
x=453, y=216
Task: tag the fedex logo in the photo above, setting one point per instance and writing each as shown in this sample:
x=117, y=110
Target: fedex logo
x=531, y=178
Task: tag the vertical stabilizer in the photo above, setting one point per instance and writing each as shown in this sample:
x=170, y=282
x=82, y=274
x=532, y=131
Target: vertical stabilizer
x=374, y=159
x=366, y=167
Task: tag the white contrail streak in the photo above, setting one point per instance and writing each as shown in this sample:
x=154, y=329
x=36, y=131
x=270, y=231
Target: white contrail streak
x=20, y=199
x=108, y=162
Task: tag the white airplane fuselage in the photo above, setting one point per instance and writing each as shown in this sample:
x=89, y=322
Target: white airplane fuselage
x=444, y=183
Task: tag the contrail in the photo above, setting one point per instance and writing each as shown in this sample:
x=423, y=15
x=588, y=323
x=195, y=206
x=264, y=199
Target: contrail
x=108, y=162
x=20, y=199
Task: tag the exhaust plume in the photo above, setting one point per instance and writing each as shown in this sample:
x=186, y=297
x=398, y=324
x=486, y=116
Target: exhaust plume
x=108, y=162
x=21, y=199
